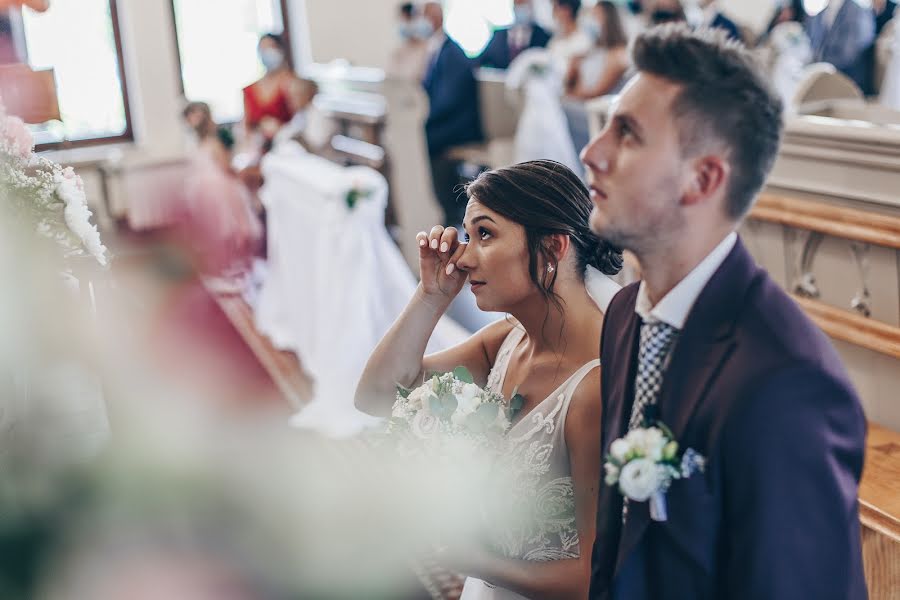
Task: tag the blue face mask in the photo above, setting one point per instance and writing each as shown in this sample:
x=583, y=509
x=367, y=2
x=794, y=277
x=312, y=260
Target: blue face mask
x=421, y=28
x=592, y=28
x=522, y=14
x=405, y=31
x=271, y=58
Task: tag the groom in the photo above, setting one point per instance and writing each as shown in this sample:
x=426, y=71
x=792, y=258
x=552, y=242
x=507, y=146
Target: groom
x=711, y=347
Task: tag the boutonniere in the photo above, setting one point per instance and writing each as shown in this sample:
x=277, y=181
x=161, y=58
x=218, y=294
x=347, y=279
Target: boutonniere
x=644, y=464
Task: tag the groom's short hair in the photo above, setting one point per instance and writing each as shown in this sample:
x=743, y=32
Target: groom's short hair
x=725, y=98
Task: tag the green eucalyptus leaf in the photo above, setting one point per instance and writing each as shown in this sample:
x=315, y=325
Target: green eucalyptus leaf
x=516, y=404
x=463, y=375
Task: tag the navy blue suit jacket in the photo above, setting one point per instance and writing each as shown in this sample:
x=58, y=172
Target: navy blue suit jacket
x=496, y=55
x=723, y=22
x=453, y=115
x=759, y=391
x=844, y=44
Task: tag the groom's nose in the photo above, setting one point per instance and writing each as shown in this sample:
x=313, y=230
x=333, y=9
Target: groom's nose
x=596, y=156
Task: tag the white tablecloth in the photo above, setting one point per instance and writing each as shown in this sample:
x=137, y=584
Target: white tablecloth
x=335, y=280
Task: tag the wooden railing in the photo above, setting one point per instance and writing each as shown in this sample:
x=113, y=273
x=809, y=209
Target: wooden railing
x=849, y=224
x=838, y=221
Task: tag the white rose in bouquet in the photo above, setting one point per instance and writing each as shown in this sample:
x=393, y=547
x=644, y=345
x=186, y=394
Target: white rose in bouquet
x=424, y=425
x=469, y=397
x=639, y=479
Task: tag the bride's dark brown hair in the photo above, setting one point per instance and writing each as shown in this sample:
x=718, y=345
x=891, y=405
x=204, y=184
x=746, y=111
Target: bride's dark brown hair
x=546, y=198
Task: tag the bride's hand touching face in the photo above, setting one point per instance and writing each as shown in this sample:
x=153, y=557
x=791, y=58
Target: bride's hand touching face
x=439, y=252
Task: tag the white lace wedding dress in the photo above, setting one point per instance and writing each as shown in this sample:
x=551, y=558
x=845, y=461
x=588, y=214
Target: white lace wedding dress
x=547, y=530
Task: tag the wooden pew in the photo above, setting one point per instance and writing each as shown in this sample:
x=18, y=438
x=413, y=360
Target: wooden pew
x=879, y=513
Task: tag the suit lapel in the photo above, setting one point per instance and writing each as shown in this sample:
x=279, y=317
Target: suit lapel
x=621, y=390
x=701, y=351
x=619, y=367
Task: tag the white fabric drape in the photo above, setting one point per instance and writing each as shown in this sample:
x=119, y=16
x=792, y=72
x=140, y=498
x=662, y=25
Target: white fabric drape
x=335, y=280
x=542, y=132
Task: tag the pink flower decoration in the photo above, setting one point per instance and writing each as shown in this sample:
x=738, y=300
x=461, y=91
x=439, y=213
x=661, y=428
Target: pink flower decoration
x=18, y=137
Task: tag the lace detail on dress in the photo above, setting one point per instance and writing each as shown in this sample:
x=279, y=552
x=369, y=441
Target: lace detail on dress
x=543, y=497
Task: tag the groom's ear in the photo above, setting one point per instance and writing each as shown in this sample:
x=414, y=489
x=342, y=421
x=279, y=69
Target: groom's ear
x=708, y=177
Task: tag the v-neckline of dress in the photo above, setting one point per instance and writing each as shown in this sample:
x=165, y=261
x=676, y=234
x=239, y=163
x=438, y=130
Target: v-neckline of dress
x=502, y=380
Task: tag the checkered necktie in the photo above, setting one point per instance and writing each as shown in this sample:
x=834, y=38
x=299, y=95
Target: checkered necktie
x=656, y=342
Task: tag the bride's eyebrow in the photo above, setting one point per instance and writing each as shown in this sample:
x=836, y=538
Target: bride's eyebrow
x=480, y=218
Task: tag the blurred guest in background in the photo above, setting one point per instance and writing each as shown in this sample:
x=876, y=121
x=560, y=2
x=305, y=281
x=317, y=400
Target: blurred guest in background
x=884, y=12
x=600, y=71
x=215, y=141
x=667, y=11
x=221, y=224
x=712, y=17
x=786, y=11
x=453, y=116
x=568, y=39
x=410, y=58
x=273, y=100
x=635, y=18
x=508, y=43
x=841, y=34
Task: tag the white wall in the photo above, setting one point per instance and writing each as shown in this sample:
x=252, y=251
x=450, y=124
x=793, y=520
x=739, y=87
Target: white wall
x=361, y=31
x=752, y=13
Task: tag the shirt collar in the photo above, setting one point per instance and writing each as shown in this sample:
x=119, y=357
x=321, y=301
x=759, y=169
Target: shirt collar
x=675, y=306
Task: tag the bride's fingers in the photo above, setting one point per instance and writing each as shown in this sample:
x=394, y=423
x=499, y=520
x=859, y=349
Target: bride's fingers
x=454, y=258
x=434, y=238
x=448, y=240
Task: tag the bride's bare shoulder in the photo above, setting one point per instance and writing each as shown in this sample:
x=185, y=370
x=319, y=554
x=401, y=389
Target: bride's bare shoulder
x=492, y=336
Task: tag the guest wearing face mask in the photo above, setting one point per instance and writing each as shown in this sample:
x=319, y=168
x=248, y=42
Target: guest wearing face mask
x=508, y=43
x=410, y=58
x=568, y=39
x=273, y=100
x=453, y=112
x=601, y=70
x=667, y=11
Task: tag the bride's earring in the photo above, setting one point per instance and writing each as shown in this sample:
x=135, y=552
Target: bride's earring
x=550, y=268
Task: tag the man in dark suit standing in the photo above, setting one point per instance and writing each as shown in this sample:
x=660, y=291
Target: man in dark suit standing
x=840, y=34
x=709, y=346
x=453, y=115
x=507, y=44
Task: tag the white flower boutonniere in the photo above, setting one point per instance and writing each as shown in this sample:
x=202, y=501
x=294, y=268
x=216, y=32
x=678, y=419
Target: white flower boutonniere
x=645, y=462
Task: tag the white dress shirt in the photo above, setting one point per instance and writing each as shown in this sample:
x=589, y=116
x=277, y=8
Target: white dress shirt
x=675, y=306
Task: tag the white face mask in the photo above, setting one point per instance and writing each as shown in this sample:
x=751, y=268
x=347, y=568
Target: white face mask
x=271, y=58
x=592, y=28
x=421, y=28
x=522, y=14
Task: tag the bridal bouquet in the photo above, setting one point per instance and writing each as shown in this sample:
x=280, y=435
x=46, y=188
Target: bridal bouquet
x=449, y=405
x=51, y=197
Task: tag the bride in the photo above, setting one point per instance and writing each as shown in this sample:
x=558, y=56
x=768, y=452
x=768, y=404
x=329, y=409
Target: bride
x=529, y=252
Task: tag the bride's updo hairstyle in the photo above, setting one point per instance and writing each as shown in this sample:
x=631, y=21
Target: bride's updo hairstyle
x=546, y=198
